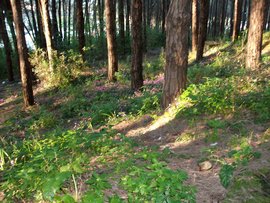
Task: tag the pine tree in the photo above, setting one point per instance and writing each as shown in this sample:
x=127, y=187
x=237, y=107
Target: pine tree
x=178, y=23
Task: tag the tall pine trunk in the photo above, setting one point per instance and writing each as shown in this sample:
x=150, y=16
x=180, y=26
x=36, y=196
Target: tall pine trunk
x=23, y=54
x=34, y=19
x=254, y=43
x=111, y=39
x=137, y=46
x=54, y=23
x=178, y=23
x=7, y=47
x=195, y=20
x=80, y=26
x=41, y=36
x=237, y=19
x=121, y=20
x=60, y=20
x=127, y=17
x=12, y=30
x=204, y=10
x=44, y=5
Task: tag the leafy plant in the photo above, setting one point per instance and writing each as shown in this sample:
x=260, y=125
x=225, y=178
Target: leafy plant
x=157, y=183
x=67, y=67
x=213, y=96
x=226, y=174
x=240, y=157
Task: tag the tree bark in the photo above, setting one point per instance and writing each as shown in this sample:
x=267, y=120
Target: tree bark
x=75, y=33
x=87, y=21
x=80, y=27
x=237, y=19
x=7, y=46
x=23, y=54
x=267, y=10
x=26, y=12
x=95, y=28
x=231, y=17
x=34, y=20
x=44, y=5
x=127, y=17
x=222, y=17
x=144, y=29
x=121, y=20
x=64, y=7
x=100, y=16
x=255, y=33
x=204, y=10
x=137, y=48
x=60, y=20
x=54, y=23
x=195, y=16
x=41, y=37
x=111, y=39
x=164, y=12
x=178, y=23
x=268, y=20
x=215, y=19
x=12, y=30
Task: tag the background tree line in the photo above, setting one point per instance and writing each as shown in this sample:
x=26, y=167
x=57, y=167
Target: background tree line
x=121, y=27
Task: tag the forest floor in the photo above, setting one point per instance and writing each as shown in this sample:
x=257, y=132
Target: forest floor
x=95, y=141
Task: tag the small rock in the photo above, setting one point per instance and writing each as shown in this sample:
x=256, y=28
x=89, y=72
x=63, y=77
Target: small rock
x=205, y=166
x=213, y=144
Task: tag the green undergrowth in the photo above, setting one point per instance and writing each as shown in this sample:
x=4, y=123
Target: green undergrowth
x=255, y=188
x=223, y=86
x=63, y=149
x=50, y=166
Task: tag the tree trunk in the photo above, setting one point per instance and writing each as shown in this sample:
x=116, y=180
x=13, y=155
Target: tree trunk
x=54, y=23
x=80, y=26
x=47, y=30
x=195, y=20
x=237, y=19
x=267, y=10
x=23, y=54
x=87, y=21
x=34, y=20
x=12, y=30
x=164, y=12
x=60, y=20
x=268, y=20
x=100, y=16
x=157, y=21
x=74, y=22
x=222, y=17
x=95, y=28
x=7, y=46
x=111, y=39
x=144, y=29
x=121, y=20
x=210, y=16
x=204, y=10
x=127, y=17
x=231, y=17
x=248, y=16
x=64, y=7
x=137, y=48
x=26, y=12
x=215, y=20
x=41, y=38
x=254, y=44
x=178, y=23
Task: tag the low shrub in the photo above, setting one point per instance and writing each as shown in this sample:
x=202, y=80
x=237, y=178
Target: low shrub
x=66, y=67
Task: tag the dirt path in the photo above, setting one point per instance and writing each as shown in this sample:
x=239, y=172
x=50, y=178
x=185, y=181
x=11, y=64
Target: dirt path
x=163, y=133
